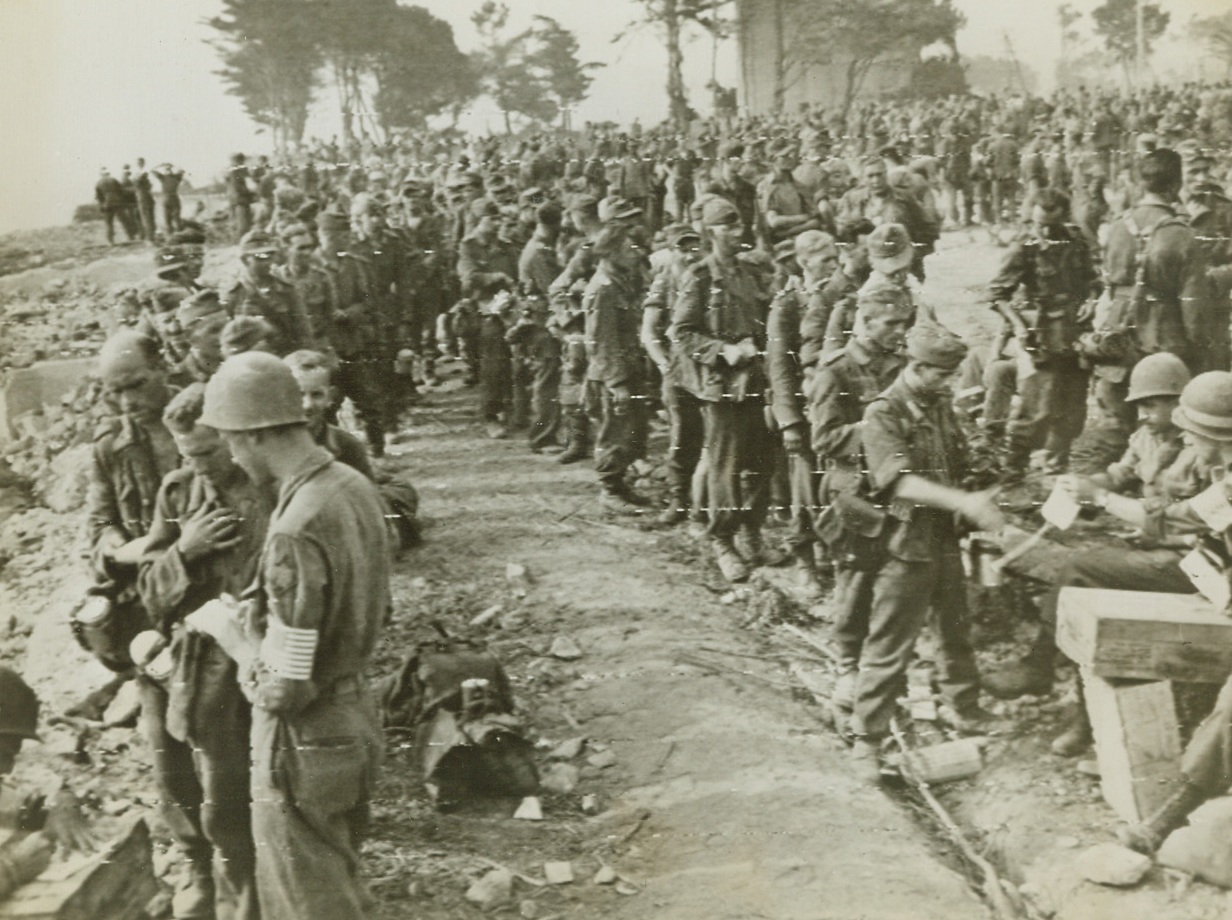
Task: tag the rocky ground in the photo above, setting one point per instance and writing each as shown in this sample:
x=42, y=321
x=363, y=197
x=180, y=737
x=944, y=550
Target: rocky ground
x=684, y=739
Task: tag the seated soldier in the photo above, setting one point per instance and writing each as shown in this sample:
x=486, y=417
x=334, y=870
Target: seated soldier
x=1169, y=525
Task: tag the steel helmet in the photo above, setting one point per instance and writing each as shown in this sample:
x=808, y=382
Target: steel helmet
x=1160, y=374
x=18, y=706
x=1206, y=406
x=252, y=390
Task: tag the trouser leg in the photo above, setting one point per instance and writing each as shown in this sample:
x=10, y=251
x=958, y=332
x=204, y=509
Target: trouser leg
x=900, y=597
x=545, y=389
x=617, y=440
x=220, y=742
x=854, y=597
x=956, y=672
x=1207, y=759
x=739, y=453
x=686, y=433
x=804, y=482
x=175, y=775
x=310, y=807
x=495, y=368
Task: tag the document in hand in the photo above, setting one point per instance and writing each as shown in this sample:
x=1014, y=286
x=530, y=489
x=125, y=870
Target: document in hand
x=223, y=622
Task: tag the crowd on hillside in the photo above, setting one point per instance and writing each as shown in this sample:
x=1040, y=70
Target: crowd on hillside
x=759, y=283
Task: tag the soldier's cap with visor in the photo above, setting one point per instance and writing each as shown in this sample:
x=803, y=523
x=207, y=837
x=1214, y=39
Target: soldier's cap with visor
x=676, y=234
x=812, y=242
x=889, y=248
x=785, y=251
x=333, y=219
x=617, y=208
x=256, y=242
x=719, y=212
x=933, y=344
x=1206, y=406
x=19, y=706
x=583, y=201
x=883, y=300
x=198, y=306
x=168, y=259
x=250, y=391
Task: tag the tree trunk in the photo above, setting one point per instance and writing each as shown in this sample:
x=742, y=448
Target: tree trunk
x=677, y=100
x=780, y=60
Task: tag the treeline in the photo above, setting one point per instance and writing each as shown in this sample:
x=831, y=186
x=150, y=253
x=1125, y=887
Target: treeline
x=391, y=66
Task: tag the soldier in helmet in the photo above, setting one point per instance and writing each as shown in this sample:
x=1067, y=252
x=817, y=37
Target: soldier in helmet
x=260, y=293
x=323, y=595
x=1169, y=526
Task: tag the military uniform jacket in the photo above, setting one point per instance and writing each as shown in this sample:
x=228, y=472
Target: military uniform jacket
x=783, y=364
x=352, y=326
x=903, y=435
x=1171, y=315
x=278, y=303
x=325, y=567
x=317, y=296
x=719, y=305
x=481, y=266
x=845, y=383
x=820, y=304
x=125, y=475
x=1056, y=276
x=386, y=295
x=612, y=304
x=172, y=587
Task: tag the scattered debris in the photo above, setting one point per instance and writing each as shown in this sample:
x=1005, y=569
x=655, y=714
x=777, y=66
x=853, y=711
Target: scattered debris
x=529, y=809
x=942, y=763
x=626, y=887
x=602, y=760
x=1114, y=865
x=558, y=873
x=565, y=649
x=493, y=890
x=568, y=749
x=605, y=876
x=560, y=778
x=488, y=615
x=590, y=804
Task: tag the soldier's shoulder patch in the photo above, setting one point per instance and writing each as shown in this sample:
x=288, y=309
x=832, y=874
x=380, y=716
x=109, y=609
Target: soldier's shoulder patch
x=281, y=572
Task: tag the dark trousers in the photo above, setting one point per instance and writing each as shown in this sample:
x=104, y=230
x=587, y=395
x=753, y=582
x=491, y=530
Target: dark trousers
x=356, y=380
x=621, y=431
x=686, y=431
x=853, y=597
x=740, y=458
x=1053, y=408
x=495, y=368
x=903, y=594
x=241, y=220
x=803, y=480
x=145, y=210
x=1207, y=759
x=171, y=212
x=543, y=361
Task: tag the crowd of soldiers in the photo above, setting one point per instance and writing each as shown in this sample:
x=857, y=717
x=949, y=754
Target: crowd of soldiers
x=758, y=285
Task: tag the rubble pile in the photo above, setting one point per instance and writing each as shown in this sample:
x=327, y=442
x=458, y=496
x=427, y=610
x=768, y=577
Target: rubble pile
x=67, y=320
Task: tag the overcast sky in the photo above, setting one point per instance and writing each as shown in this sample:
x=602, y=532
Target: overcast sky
x=91, y=83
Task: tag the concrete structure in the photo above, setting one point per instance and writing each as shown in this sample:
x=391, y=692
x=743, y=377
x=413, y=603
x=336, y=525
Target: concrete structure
x=765, y=37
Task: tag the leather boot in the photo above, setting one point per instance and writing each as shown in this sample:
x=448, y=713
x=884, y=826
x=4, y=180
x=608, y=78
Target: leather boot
x=577, y=434
x=1077, y=736
x=1147, y=836
x=806, y=574
x=729, y=561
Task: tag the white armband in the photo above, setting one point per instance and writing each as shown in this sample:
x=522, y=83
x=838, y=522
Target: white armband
x=288, y=652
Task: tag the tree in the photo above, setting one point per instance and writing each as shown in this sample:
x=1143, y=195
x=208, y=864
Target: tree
x=1216, y=33
x=352, y=35
x=673, y=17
x=552, y=53
x=270, y=61
x=1067, y=18
x=419, y=70
x=857, y=35
x=534, y=73
x=1117, y=23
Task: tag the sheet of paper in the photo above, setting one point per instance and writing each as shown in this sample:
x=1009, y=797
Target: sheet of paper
x=1213, y=507
x=1210, y=580
x=1060, y=510
x=222, y=622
